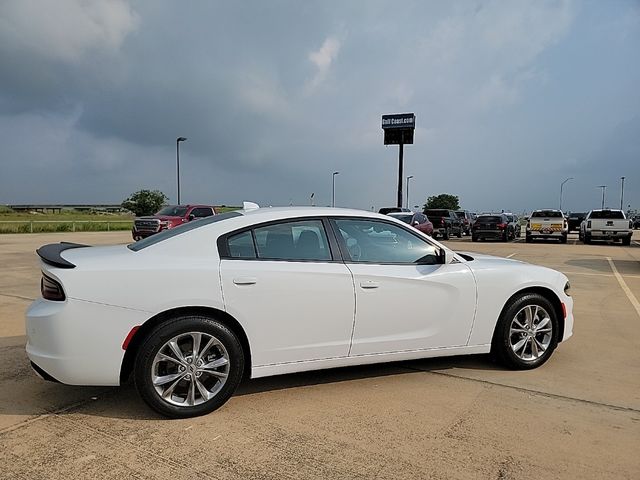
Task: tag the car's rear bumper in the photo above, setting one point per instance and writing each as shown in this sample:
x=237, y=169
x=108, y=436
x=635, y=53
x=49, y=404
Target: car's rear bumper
x=77, y=342
x=541, y=234
x=605, y=234
x=488, y=233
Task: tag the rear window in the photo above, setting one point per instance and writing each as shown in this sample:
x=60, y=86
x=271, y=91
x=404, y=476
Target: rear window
x=461, y=214
x=610, y=214
x=437, y=213
x=403, y=218
x=184, y=228
x=489, y=219
x=546, y=214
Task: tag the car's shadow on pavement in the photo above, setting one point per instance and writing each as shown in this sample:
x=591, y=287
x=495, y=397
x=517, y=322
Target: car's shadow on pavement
x=601, y=265
x=123, y=402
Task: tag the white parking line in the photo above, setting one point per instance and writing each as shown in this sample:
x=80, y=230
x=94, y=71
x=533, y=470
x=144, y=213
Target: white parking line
x=509, y=256
x=637, y=243
x=625, y=288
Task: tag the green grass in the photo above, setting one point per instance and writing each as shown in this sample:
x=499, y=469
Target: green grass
x=65, y=221
x=69, y=221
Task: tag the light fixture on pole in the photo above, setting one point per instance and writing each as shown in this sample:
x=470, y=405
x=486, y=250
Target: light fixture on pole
x=333, y=188
x=562, y=185
x=604, y=188
x=178, y=140
x=408, y=178
x=622, y=193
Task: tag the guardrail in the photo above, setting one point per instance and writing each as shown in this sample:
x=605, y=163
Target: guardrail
x=30, y=225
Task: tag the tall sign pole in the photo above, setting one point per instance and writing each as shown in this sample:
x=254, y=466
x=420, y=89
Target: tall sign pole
x=398, y=130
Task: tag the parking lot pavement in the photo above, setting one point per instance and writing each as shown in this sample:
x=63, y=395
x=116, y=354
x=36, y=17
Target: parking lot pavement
x=576, y=417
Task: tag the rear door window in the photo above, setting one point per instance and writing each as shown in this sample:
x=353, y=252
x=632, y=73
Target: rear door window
x=297, y=240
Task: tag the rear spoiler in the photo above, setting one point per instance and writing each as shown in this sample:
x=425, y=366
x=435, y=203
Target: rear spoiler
x=50, y=254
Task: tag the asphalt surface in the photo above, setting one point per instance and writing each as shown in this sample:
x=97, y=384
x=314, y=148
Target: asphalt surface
x=578, y=416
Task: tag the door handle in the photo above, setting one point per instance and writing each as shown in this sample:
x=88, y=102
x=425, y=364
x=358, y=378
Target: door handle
x=245, y=280
x=369, y=284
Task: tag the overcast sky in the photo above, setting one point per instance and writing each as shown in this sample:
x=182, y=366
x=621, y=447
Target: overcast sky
x=511, y=98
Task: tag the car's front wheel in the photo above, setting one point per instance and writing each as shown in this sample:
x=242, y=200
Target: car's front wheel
x=526, y=333
x=188, y=366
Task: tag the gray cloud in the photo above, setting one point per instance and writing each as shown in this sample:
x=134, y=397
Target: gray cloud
x=275, y=96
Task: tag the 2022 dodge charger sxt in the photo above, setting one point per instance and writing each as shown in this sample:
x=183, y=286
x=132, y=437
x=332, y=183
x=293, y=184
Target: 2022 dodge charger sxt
x=270, y=291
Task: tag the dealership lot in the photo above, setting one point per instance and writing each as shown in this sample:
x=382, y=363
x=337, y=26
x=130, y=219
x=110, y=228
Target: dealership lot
x=578, y=416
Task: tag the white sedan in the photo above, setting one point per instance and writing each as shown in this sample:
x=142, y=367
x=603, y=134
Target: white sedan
x=190, y=311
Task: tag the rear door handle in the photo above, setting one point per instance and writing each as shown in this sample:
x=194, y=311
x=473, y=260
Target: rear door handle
x=245, y=280
x=369, y=284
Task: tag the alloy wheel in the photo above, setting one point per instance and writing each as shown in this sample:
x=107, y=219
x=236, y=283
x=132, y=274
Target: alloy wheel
x=530, y=332
x=190, y=369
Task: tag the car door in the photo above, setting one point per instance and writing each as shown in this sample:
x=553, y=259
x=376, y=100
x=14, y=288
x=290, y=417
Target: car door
x=290, y=291
x=405, y=300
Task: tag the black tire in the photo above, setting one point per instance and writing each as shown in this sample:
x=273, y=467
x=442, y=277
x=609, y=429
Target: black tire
x=501, y=345
x=587, y=239
x=563, y=239
x=445, y=235
x=626, y=241
x=459, y=234
x=158, y=338
x=505, y=236
x=527, y=239
x=474, y=238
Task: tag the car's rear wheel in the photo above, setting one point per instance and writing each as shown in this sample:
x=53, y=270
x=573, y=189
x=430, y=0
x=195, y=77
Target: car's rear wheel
x=188, y=366
x=526, y=333
x=445, y=235
x=626, y=240
x=474, y=238
x=528, y=239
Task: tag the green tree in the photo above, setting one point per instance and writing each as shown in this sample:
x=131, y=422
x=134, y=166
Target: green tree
x=145, y=202
x=444, y=200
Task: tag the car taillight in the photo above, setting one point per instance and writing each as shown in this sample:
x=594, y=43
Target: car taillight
x=502, y=226
x=442, y=222
x=51, y=289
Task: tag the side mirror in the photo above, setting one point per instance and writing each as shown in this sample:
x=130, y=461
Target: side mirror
x=191, y=216
x=445, y=256
x=416, y=223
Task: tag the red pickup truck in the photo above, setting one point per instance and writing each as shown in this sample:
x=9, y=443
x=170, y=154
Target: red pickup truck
x=169, y=217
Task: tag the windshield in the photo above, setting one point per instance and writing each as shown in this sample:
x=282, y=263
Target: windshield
x=185, y=227
x=547, y=213
x=173, y=211
x=611, y=214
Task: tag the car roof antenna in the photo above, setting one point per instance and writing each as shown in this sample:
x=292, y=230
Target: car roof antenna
x=250, y=206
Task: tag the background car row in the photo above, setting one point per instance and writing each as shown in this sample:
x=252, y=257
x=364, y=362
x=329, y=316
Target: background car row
x=544, y=224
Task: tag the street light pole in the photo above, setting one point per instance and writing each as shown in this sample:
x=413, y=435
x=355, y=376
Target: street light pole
x=333, y=188
x=562, y=185
x=604, y=188
x=408, y=178
x=178, y=140
x=622, y=193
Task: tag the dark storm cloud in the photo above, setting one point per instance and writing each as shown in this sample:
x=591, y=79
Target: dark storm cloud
x=274, y=96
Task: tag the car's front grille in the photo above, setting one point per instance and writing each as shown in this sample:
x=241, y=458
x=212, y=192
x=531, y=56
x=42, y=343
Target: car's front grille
x=147, y=225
